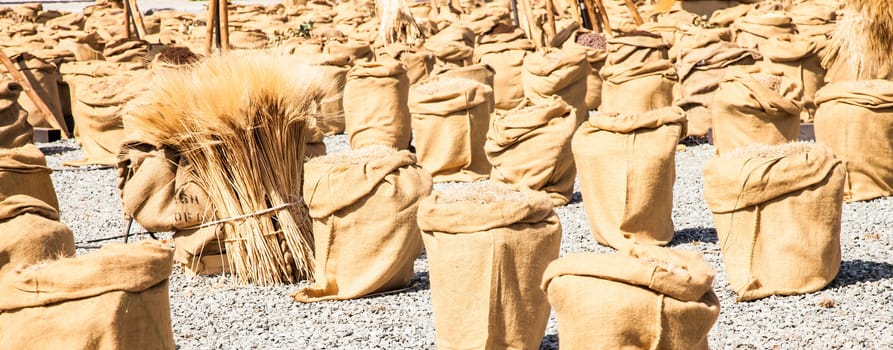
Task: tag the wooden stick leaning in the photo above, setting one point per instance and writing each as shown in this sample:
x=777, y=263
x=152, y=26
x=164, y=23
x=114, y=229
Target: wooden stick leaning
x=550, y=22
x=128, y=31
x=528, y=20
x=633, y=10
x=140, y=25
x=604, y=16
x=55, y=121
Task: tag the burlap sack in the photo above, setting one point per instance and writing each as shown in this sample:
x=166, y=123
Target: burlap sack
x=418, y=62
x=813, y=18
x=330, y=117
x=700, y=70
x=636, y=48
x=349, y=194
x=638, y=88
x=480, y=72
x=627, y=169
x=531, y=146
x=453, y=46
x=487, y=248
x=14, y=128
x=505, y=52
x=855, y=119
x=450, y=117
x=248, y=39
x=797, y=57
x=376, y=112
x=126, y=50
x=753, y=108
x=596, y=53
x=25, y=187
x=359, y=52
x=98, y=112
x=554, y=72
x=755, y=28
x=43, y=77
x=687, y=38
x=777, y=211
x=727, y=16
x=640, y=298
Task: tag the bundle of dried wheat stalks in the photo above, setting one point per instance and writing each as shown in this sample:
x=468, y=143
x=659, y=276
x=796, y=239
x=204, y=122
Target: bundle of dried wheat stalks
x=865, y=36
x=241, y=121
x=397, y=23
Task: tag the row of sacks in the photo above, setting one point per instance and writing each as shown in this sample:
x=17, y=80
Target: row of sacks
x=115, y=298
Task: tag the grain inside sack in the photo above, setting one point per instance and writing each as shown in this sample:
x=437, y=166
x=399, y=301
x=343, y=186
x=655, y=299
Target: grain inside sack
x=488, y=245
x=777, y=210
x=558, y=72
x=363, y=204
x=376, y=111
x=450, y=118
x=855, y=119
x=531, y=146
x=642, y=297
x=752, y=107
x=627, y=168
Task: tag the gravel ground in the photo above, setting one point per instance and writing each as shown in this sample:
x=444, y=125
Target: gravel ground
x=213, y=312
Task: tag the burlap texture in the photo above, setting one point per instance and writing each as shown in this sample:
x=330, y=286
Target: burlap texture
x=687, y=38
x=700, y=70
x=727, y=16
x=377, y=112
x=450, y=118
x=363, y=204
x=531, y=146
x=777, y=210
x=25, y=184
x=43, y=77
x=640, y=298
x=746, y=111
x=636, y=48
x=418, y=62
x=855, y=119
x=596, y=56
x=330, y=119
x=638, y=87
x=453, y=46
x=505, y=52
x=359, y=52
x=558, y=72
x=125, y=50
x=627, y=168
x=248, y=39
x=755, y=28
x=480, y=72
x=14, y=128
x=487, y=248
x=797, y=57
x=97, y=112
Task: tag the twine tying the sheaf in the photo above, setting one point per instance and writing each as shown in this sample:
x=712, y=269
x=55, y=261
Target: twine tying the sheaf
x=243, y=216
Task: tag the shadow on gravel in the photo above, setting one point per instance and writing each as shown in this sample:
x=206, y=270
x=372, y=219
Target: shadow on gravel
x=51, y=150
x=419, y=282
x=576, y=198
x=550, y=342
x=694, y=234
x=857, y=271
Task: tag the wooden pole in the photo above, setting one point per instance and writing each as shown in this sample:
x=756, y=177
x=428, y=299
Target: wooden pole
x=604, y=15
x=56, y=121
x=127, y=30
x=634, y=11
x=528, y=19
x=594, y=21
x=212, y=22
x=140, y=25
x=550, y=22
x=223, y=21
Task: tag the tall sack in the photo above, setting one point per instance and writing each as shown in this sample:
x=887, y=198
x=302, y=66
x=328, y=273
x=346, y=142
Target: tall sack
x=377, y=112
x=98, y=117
x=627, y=168
x=43, y=77
x=363, y=204
x=637, y=88
x=640, y=298
x=777, y=210
x=596, y=53
x=797, y=57
x=531, y=146
x=855, y=119
x=14, y=128
x=450, y=117
x=558, y=72
x=751, y=108
x=331, y=109
x=505, y=52
x=487, y=248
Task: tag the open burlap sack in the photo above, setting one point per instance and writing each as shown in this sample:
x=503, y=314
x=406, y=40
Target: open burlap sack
x=363, y=204
x=627, y=168
x=531, y=146
x=755, y=28
x=450, y=118
x=14, y=128
x=418, y=62
x=376, y=111
x=777, y=210
x=558, y=72
x=505, y=52
x=855, y=119
x=638, y=88
x=43, y=77
x=487, y=248
x=98, y=112
x=700, y=70
x=640, y=298
x=797, y=57
x=751, y=108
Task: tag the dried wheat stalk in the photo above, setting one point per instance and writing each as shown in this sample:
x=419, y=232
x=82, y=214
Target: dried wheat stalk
x=397, y=24
x=865, y=36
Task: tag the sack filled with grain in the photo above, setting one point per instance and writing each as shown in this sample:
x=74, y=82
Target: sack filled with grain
x=627, y=168
x=418, y=62
x=700, y=70
x=757, y=27
x=855, y=119
x=638, y=88
x=754, y=107
x=797, y=57
x=504, y=49
x=596, y=53
x=558, y=72
x=531, y=146
x=14, y=128
x=43, y=77
x=363, y=204
x=487, y=247
x=450, y=117
x=376, y=111
x=777, y=210
x=98, y=112
x=642, y=297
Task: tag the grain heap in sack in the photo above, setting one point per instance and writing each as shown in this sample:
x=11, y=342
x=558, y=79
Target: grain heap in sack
x=777, y=210
x=642, y=297
x=246, y=151
x=637, y=76
x=363, y=204
x=488, y=245
x=113, y=299
x=377, y=111
x=531, y=146
x=450, y=118
x=755, y=107
x=627, y=169
x=855, y=119
x=558, y=72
